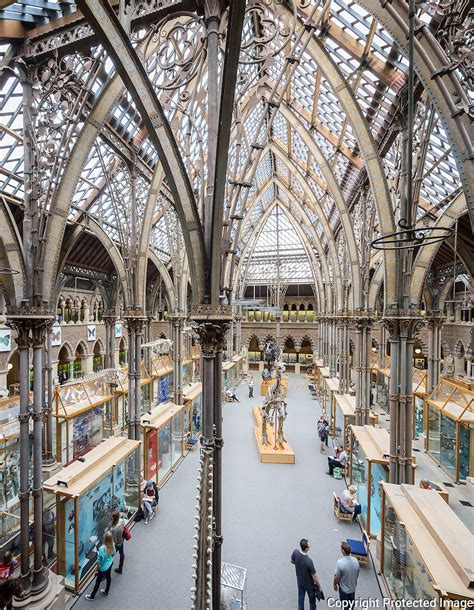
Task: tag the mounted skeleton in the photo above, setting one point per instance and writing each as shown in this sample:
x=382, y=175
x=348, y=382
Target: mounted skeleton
x=274, y=407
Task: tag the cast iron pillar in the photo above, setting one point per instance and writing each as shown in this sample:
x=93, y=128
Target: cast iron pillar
x=343, y=353
x=402, y=329
x=48, y=456
x=211, y=323
x=363, y=327
x=434, y=323
x=177, y=320
x=109, y=318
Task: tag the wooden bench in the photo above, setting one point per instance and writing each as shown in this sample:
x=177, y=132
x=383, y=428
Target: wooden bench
x=340, y=514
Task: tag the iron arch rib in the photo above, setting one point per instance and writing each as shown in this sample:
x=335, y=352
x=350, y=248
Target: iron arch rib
x=103, y=20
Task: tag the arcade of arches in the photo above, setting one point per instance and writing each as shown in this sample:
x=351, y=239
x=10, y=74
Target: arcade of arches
x=182, y=185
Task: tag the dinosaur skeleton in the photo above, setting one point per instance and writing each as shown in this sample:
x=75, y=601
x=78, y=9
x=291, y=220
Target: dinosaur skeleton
x=274, y=410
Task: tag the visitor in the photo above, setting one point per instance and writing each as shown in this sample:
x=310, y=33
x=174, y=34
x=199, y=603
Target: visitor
x=157, y=497
x=104, y=562
x=306, y=578
x=339, y=461
x=251, y=385
x=323, y=433
x=231, y=397
x=345, y=577
x=117, y=527
x=49, y=519
x=349, y=502
x=149, y=501
x=7, y=567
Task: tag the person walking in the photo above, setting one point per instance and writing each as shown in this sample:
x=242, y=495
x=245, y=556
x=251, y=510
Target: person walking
x=306, y=577
x=251, y=386
x=345, y=577
x=117, y=527
x=104, y=562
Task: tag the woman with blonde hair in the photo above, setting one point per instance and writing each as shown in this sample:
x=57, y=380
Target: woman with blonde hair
x=104, y=562
x=349, y=503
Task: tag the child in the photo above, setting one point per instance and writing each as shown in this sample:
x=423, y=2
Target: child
x=104, y=562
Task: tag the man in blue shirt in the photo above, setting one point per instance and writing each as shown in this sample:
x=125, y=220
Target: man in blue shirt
x=305, y=575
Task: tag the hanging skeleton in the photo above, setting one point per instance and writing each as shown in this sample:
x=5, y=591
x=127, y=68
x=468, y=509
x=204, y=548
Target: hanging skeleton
x=274, y=410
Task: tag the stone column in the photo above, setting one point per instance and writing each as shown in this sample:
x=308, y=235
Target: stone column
x=402, y=329
x=343, y=323
x=230, y=341
x=238, y=334
x=434, y=323
x=382, y=345
x=211, y=324
x=332, y=347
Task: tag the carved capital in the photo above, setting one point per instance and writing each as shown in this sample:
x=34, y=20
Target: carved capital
x=134, y=323
x=30, y=324
x=212, y=335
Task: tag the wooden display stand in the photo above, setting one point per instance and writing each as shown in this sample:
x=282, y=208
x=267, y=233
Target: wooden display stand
x=268, y=455
x=267, y=384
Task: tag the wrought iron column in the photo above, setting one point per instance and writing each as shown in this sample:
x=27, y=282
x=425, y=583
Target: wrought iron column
x=22, y=327
x=434, y=322
x=48, y=457
x=38, y=330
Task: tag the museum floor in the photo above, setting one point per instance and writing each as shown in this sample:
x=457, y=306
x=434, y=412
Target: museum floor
x=267, y=509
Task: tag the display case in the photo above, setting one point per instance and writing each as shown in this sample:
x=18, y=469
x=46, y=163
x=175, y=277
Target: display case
x=368, y=467
x=345, y=405
x=187, y=372
x=228, y=377
x=196, y=358
x=420, y=390
x=426, y=550
x=380, y=381
x=10, y=471
x=121, y=395
x=330, y=389
x=163, y=443
x=192, y=399
x=450, y=428
x=79, y=414
x=82, y=497
x=238, y=362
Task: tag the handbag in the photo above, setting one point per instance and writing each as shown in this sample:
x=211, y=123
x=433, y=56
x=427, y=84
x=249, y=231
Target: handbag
x=127, y=535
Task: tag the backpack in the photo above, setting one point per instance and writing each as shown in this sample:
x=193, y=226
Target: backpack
x=336, y=473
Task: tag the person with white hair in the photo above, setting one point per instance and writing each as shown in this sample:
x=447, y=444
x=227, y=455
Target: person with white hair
x=349, y=503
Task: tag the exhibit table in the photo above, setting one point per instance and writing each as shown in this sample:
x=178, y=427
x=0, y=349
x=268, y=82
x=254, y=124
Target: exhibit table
x=162, y=440
x=345, y=405
x=427, y=552
x=80, y=499
x=368, y=467
x=80, y=417
x=450, y=428
x=192, y=399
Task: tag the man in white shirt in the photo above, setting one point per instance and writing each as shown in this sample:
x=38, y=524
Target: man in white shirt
x=339, y=461
x=345, y=577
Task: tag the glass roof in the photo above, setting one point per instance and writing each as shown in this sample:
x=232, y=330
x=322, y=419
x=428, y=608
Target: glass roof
x=274, y=149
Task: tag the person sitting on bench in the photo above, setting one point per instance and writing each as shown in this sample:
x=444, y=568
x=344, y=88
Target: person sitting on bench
x=231, y=397
x=339, y=461
x=349, y=502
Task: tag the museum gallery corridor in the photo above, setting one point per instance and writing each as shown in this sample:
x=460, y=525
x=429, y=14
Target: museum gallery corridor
x=267, y=509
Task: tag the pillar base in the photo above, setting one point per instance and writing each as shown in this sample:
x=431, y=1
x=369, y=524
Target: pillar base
x=49, y=470
x=297, y=368
x=53, y=597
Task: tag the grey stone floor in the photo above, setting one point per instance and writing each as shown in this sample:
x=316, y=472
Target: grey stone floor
x=267, y=509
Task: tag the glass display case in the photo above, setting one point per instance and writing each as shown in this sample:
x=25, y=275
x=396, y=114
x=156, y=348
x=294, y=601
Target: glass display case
x=163, y=440
x=228, y=377
x=330, y=389
x=424, y=547
x=187, y=372
x=238, y=362
x=79, y=417
x=450, y=428
x=380, y=380
x=162, y=378
x=192, y=400
x=420, y=388
x=82, y=497
x=345, y=417
x=10, y=471
x=121, y=394
x=368, y=466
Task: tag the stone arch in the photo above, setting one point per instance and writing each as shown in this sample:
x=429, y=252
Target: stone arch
x=68, y=349
x=82, y=346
